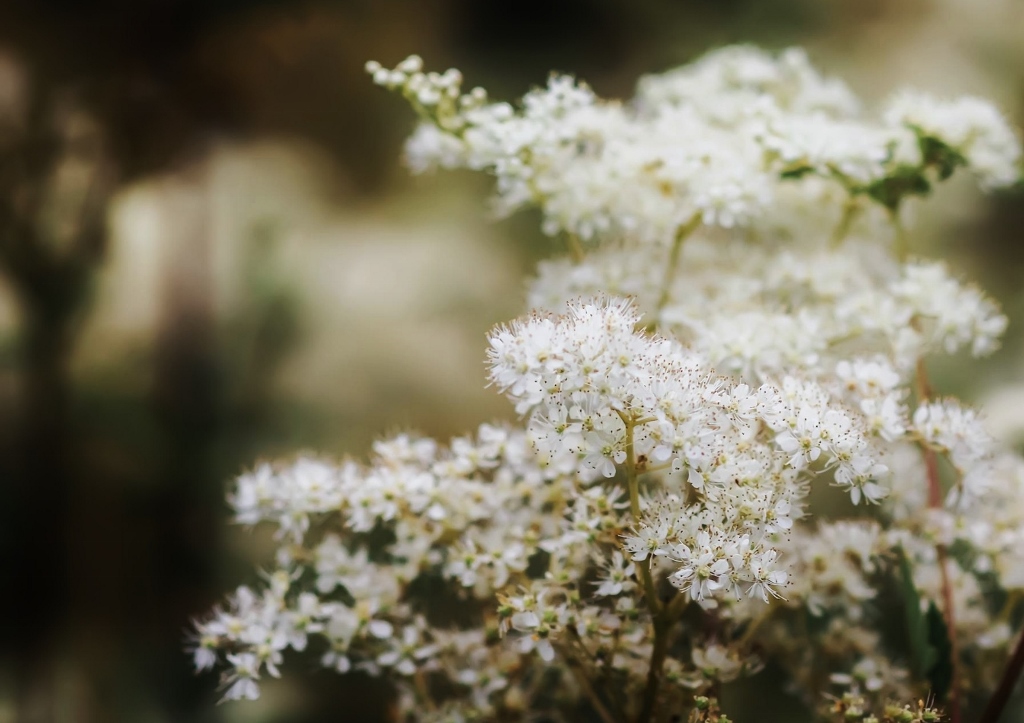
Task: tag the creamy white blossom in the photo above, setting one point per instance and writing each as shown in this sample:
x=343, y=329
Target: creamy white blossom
x=739, y=329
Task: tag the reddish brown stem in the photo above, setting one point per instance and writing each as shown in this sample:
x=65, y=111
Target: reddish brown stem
x=931, y=463
x=1007, y=682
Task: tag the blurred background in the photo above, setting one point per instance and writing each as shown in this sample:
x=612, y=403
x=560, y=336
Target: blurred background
x=210, y=254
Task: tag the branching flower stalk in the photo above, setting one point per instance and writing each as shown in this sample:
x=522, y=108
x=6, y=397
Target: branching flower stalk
x=633, y=486
x=745, y=326
x=664, y=616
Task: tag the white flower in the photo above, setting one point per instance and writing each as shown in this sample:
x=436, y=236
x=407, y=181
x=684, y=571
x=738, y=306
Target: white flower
x=702, y=569
x=617, y=576
x=646, y=542
x=408, y=653
x=241, y=680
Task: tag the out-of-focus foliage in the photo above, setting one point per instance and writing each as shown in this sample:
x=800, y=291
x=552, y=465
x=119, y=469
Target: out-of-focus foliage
x=208, y=254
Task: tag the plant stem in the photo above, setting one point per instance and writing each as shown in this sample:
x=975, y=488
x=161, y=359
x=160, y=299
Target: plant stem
x=575, y=248
x=1007, y=682
x=423, y=690
x=633, y=483
x=673, y=261
x=663, y=616
x=931, y=462
x=675, y=609
x=588, y=690
x=658, y=654
x=901, y=244
x=753, y=625
x=609, y=661
x=850, y=210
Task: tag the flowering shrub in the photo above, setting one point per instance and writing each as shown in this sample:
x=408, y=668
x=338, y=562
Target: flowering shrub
x=738, y=324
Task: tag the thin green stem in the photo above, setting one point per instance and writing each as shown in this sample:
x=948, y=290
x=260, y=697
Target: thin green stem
x=850, y=210
x=673, y=261
x=633, y=484
x=575, y=248
x=664, y=617
x=901, y=243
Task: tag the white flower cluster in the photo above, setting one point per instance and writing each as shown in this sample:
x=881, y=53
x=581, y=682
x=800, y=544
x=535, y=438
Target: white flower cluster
x=742, y=332
x=780, y=309
x=427, y=497
x=708, y=142
x=598, y=395
x=959, y=434
x=971, y=126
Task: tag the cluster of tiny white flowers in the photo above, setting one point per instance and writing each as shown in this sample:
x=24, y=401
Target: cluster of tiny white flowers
x=831, y=565
x=958, y=432
x=426, y=496
x=971, y=126
x=777, y=310
x=708, y=142
x=742, y=329
x=260, y=626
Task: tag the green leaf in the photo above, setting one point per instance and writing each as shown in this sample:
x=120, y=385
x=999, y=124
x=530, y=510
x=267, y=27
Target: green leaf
x=930, y=647
x=944, y=158
x=902, y=182
x=921, y=652
x=796, y=172
x=345, y=597
x=940, y=673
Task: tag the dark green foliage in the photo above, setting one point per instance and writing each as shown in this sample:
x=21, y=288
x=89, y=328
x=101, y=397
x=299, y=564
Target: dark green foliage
x=891, y=190
x=930, y=646
x=939, y=156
